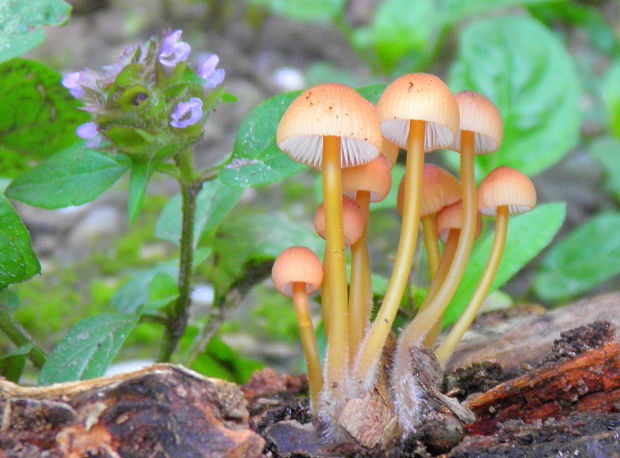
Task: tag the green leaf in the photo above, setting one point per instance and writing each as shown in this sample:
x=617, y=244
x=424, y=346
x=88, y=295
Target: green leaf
x=221, y=361
x=12, y=364
x=72, y=177
x=456, y=10
x=586, y=257
x=213, y=203
x=9, y=298
x=301, y=10
x=88, y=349
x=611, y=94
x=256, y=159
x=528, y=235
x=256, y=238
x=18, y=262
x=162, y=290
x=526, y=71
x=606, y=152
x=38, y=116
x=404, y=28
x=21, y=24
x=141, y=171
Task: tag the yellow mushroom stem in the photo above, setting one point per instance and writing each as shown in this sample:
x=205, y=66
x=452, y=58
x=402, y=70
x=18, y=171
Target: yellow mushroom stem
x=374, y=341
x=444, y=266
x=431, y=244
x=308, y=341
x=433, y=308
x=337, y=353
x=325, y=294
x=448, y=346
x=360, y=292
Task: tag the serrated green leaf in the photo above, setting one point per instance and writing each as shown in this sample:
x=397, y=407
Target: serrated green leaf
x=12, y=364
x=141, y=171
x=18, y=262
x=72, y=177
x=586, y=257
x=528, y=235
x=88, y=349
x=22, y=22
x=213, y=203
x=606, y=152
x=404, y=28
x=301, y=10
x=38, y=116
x=525, y=70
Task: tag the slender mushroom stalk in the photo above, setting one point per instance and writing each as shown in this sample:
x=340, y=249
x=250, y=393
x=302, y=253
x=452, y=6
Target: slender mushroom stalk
x=353, y=227
x=449, y=222
x=439, y=189
x=417, y=112
x=331, y=126
x=370, y=182
x=503, y=192
x=296, y=273
x=481, y=133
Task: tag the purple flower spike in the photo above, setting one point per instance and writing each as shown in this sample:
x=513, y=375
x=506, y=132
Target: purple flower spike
x=187, y=113
x=87, y=131
x=208, y=72
x=72, y=82
x=173, y=51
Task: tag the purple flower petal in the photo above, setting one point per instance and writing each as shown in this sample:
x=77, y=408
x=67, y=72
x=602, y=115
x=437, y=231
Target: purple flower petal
x=87, y=131
x=173, y=51
x=208, y=72
x=187, y=113
x=72, y=82
x=215, y=79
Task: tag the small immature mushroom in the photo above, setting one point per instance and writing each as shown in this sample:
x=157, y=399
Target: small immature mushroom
x=503, y=192
x=370, y=182
x=418, y=112
x=390, y=151
x=331, y=126
x=353, y=225
x=439, y=189
x=296, y=273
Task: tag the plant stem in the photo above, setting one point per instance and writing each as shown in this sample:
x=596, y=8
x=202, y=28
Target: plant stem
x=19, y=337
x=430, y=244
x=178, y=312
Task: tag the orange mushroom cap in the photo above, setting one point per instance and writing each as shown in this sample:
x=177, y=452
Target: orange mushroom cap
x=374, y=176
x=297, y=264
x=439, y=189
x=330, y=110
x=479, y=115
x=352, y=221
x=451, y=217
x=508, y=187
x=422, y=97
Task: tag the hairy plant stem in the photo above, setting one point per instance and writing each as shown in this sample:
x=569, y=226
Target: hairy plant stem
x=178, y=312
x=19, y=336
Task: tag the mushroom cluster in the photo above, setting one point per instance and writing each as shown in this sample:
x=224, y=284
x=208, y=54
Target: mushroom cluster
x=354, y=144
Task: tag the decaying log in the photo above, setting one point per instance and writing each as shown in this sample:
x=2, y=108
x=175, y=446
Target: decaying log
x=163, y=410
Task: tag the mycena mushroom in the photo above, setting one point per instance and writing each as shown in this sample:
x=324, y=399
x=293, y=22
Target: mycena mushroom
x=296, y=273
x=503, y=192
x=418, y=112
x=331, y=126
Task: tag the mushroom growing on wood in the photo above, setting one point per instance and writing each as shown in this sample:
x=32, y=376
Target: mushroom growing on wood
x=503, y=192
x=296, y=273
x=418, y=112
x=331, y=126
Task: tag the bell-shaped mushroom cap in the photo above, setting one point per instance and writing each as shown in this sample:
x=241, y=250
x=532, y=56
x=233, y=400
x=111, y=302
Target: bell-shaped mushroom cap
x=353, y=223
x=390, y=151
x=451, y=217
x=439, y=189
x=479, y=116
x=374, y=176
x=297, y=264
x=505, y=186
x=330, y=110
x=422, y=97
